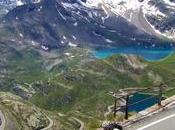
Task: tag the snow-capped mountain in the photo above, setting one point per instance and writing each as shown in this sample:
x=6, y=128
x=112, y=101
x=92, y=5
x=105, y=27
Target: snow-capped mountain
x=14, y=3
x=152, y=16
x=7, y=5
x=52, y=24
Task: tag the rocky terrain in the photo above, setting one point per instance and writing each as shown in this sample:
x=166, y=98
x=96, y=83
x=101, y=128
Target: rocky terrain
x=63, y=24
x=152, y=16
x=46, y=58
x=7, y=5
x=20, y=114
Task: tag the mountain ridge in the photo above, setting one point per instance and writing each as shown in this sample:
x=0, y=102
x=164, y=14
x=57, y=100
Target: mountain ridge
x=131, y=9
x=57, y=24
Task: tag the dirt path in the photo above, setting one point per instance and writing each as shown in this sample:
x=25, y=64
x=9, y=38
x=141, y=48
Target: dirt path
x=109, y=111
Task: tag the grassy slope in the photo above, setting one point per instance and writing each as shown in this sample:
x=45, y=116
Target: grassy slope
x=82, y=92
x=165, y=68
x=79, y=87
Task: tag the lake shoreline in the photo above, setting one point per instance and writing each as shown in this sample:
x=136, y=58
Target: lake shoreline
x=147, y=54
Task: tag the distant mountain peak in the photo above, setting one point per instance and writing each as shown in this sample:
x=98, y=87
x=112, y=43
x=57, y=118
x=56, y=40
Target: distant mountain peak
x=153, y=13
x=54, y=24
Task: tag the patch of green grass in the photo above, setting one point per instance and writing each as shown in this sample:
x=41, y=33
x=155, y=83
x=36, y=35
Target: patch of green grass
x=170, y=93
x=79, y=85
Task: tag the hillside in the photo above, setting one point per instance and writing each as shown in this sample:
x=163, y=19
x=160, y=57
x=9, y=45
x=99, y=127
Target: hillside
x=78, y=86
x=21, y=115
x=49, y=74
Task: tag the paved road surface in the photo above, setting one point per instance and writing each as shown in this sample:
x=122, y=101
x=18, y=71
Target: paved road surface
x=167, y=123
x=162, y=121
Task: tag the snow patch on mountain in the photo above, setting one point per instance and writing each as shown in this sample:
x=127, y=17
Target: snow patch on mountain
x=19, y=3
x=10, y=4
x=135, y=11
x=168, y=2
x=124, y=7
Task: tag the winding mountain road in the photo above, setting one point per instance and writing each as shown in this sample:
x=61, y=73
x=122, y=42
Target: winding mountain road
x=2, y=121
x=109, y=110
x=81, y=123
x=50, y=124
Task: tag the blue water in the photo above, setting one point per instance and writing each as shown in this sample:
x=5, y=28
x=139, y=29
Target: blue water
x=141, y=105
x=148, y=54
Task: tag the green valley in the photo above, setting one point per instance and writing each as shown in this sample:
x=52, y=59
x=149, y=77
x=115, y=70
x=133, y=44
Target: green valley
x=78, y=85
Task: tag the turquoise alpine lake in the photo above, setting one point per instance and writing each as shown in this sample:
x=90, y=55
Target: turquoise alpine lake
x=140, y=101
x=147, y=54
